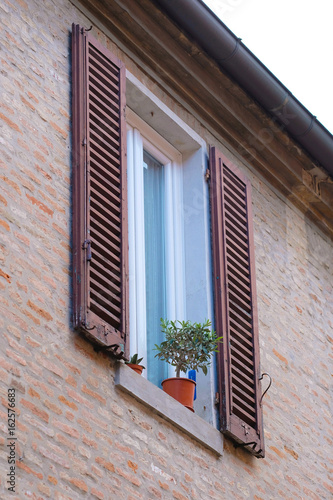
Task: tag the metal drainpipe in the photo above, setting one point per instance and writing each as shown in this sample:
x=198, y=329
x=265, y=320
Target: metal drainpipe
x=195, y=18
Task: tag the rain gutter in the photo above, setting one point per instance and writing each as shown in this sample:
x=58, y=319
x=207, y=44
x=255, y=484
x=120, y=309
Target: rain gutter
x=195, y=18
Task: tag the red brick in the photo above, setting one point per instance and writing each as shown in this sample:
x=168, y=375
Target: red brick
x=154, y=491
x=10, y=123
x=50, y=366
x=53, y=407
x=58, y=129
x=5, y=225
x=23, y=466
x=71, y=381
x=4, y=363
x=3, y=200
x=47, y=140
x=133, y=479
x=278, y=355
x=13, y=355
x=291, y=452
x=71, y=431
x=35, y=410
x=31, y=316
x=39, y=204
x=107, y=465
x=60, y=230
x=65, y=401
x=77, y=397
x=52, y=480
x=22, y=238
x=80, y=484
x=125, y=449
x=95, y=419
x=63, y=440
x=27, y=103
x=69, y=415
x=39, y=311
x=5, y=275
x=328, y=486
x=33, y=393
x=89, y=442
x=97, y=493
x=32, y=342
x=37, y=383
x=17, y=346
x=178, y=495
x=10, y=182
x=86, y=425
x=94, y=394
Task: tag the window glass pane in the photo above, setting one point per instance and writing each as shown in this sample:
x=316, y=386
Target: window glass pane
x=155, y=262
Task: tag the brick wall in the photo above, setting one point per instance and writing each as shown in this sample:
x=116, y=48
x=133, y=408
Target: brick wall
x=77, y=437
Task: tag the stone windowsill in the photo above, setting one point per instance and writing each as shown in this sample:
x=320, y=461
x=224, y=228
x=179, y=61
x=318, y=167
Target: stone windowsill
x=168, y=408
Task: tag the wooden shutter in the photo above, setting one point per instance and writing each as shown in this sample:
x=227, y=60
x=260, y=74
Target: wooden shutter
x=235, y=304
x=100, y=236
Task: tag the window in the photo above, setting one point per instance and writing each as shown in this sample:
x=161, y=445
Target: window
x=156, y=253
x=111, y=218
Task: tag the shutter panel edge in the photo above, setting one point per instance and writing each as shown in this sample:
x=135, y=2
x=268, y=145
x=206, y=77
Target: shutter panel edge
x=90, y=322
x=241, y=432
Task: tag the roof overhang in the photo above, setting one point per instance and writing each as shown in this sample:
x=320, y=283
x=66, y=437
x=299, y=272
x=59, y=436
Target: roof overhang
x=172, y=53
x=200, y=23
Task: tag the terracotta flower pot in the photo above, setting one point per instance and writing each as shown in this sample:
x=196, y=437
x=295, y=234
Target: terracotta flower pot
x=181, y=389
x=137, y=368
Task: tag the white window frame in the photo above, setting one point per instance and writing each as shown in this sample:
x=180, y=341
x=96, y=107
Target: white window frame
x=140, y=136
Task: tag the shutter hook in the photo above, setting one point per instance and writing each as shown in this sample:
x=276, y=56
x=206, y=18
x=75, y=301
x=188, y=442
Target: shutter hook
x=88, y=29
x=270, y=383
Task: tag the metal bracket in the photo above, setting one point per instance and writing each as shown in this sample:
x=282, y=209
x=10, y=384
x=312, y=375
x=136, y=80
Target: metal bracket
x=254, y=443
x=270, y=383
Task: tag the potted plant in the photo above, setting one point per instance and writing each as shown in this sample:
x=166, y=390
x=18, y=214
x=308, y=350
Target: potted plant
x=187, y=346
x=134, y=363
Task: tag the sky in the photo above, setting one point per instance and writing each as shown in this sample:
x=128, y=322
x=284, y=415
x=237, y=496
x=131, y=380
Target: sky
x=294, y=40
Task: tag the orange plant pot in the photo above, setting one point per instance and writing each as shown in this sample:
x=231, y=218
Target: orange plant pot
x=137, y=368
x=180, y=388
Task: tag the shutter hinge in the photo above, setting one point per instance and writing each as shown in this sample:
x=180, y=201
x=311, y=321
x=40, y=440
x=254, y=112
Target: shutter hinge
x=207, y=175
x=217, y=398
x=84, y=142
x=87, y=246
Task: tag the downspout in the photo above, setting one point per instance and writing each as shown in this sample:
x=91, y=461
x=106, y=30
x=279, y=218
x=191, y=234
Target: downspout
x=195, y=18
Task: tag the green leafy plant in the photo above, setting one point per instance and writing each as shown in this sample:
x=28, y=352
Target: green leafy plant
x=187, y=346
x=134, y=360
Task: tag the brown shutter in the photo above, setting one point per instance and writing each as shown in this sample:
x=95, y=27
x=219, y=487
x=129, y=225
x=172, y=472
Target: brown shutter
x=235, y=304
x=100, y=236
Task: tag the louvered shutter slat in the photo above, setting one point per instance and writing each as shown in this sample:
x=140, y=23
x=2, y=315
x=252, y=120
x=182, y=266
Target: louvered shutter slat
x=102, y=190
x=241, y=346
x=235, y=304
x=100, y=194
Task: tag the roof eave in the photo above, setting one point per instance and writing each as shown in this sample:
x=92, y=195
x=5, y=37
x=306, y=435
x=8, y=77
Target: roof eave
x=197, y=20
